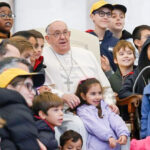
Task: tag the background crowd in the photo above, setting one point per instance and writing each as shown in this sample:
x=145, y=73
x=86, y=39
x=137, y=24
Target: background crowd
x=57, y=96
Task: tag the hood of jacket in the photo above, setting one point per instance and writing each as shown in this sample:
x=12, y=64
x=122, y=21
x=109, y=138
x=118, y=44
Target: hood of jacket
x=8, y=97
x=143, y=58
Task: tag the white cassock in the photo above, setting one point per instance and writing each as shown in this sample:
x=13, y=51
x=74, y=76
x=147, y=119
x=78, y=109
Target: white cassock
x=77, y=64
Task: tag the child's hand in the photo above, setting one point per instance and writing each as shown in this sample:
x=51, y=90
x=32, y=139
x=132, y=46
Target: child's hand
x=112, y=142
x=122, y=140
x=114, y=108
x=43, y=89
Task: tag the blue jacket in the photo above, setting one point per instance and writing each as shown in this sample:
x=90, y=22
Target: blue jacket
x=106, y=47
x=145, y=112
x=46, y=134
x=101, y=129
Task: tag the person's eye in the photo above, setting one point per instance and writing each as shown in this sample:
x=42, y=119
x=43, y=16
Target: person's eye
x=100, y=93
x=108, y=14
x=55, y=109
x=121, y=54
x=57, y=33
x=113, y=16
x=101, y=13
x=93, y=93
x=130, y=53
x=122, y=16
x=70, y=147
x=3, y=15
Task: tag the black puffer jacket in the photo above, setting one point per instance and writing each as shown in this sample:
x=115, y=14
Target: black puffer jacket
x=46, y=134
x=143, y=80
x=20, y=132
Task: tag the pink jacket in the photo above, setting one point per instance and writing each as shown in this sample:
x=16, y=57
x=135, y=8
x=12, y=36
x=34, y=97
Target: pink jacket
x=143, y=144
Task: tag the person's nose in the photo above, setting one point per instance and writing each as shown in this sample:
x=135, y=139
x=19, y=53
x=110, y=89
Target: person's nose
x=61, y=112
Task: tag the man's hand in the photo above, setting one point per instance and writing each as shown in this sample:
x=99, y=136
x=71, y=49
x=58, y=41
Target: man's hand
x=71, y=99
x=105, y=63
x=114, y=108
x=112, y=142
x=122, y=140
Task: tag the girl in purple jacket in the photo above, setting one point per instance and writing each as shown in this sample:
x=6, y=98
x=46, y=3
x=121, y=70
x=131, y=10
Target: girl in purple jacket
x=106, y=130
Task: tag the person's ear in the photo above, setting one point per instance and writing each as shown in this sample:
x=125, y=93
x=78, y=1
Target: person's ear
x=9, y=86
x=69, y=33
x=91, y=16
x=83, y=96
x=47, y=38
x=42, y=114
x=115, y=61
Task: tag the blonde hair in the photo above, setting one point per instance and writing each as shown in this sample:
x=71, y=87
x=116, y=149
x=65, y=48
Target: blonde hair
x=21, y=43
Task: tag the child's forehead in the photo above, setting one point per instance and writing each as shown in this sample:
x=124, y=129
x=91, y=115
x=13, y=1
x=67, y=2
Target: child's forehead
x=5, y=9
x=124, y=48
x=75, y=143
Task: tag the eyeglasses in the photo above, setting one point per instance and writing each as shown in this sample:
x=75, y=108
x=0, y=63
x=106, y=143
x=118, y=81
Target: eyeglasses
x=28, y=85
x=5, y=16
x=58, y=34
x=102, y=13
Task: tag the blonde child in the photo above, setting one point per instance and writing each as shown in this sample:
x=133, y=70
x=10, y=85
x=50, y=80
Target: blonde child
x=106, y=130
x=48, y=109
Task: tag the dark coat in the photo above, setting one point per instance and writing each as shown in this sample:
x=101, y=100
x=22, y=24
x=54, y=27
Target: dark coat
x=20, y=132
x=46, y=134
x=143, y=80
x=106, y=47
x=126, y=35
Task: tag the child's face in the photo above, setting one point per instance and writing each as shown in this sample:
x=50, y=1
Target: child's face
x=5, y=23
x=94, y=95
x=117, y=20
x=101, y=22
x=70, y=145
x=39, y=47
x=27, y=54
x=55, y=115
x=125, y=57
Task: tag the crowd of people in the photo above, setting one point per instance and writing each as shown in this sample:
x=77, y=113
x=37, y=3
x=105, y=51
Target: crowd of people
x=59, y=97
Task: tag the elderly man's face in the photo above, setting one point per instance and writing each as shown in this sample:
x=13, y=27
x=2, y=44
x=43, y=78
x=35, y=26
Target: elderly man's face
x=59, y=37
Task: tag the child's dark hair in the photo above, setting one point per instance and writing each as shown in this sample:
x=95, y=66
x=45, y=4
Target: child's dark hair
x=37, y=34
x=4, y=4
x=83, y=87
x=70, y=135
x=45, y=101
x=136, y=34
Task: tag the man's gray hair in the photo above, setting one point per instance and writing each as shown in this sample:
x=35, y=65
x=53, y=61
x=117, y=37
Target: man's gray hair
x=47, y=28
x=12, y=62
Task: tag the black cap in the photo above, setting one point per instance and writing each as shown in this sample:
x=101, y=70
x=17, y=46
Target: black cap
x=120, y=7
